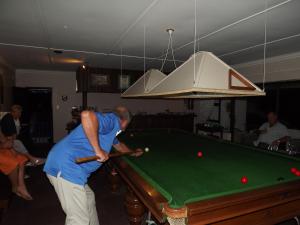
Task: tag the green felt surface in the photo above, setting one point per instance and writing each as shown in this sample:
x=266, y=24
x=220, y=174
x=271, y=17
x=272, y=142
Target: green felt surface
x=173, y=168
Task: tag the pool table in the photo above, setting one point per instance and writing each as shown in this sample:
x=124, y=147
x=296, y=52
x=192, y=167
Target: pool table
x=179, y=187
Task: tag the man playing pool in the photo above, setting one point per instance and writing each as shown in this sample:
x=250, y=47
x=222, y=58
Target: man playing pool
x=95, y=136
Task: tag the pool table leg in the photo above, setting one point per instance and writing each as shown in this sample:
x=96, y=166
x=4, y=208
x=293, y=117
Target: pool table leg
x=135, y=209
x=114, y=180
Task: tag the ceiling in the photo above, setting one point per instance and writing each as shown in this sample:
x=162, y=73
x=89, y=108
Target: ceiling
x=89, y=30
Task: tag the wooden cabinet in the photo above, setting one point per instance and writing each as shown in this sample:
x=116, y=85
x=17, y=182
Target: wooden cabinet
x=163, y=120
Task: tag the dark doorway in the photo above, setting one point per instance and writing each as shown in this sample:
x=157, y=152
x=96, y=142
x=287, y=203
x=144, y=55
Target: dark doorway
x=281, y=97
x=37, y=122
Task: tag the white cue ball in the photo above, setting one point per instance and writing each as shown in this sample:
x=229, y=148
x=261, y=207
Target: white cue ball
x=147, y=149
x=131, y=135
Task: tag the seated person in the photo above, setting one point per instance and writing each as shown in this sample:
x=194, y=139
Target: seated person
x=12, y=165
x=272, y=133
x=10, y=127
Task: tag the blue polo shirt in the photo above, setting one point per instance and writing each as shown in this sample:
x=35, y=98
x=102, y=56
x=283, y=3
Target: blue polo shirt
x=61, y=159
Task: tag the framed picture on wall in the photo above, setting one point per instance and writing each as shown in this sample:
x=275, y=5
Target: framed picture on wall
x=124, y=82
x=100, y=80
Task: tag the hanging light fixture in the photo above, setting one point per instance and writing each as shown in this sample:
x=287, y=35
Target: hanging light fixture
x=203, y=75
x=151, y=77
x=144, y=84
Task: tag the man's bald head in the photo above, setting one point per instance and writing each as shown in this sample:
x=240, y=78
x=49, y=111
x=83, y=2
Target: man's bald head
x=124, y=115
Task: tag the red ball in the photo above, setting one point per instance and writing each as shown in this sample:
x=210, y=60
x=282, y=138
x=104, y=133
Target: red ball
x=200, y=154
x=244, y=180
x=293, y=170
x=297, y=173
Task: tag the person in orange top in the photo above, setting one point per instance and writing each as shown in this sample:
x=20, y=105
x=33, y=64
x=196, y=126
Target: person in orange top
x=12, y=165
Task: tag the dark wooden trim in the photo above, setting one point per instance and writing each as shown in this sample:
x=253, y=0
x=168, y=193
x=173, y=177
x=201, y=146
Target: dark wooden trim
x=135, y=208
x=266, y=217
x=248, y=85
x=257, y=202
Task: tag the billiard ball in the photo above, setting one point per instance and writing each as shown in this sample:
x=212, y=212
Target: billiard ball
x=131, y=135
x=293, y=170
x=297, y=173
x=147, y=149
x=244, y=180
x=199, y=154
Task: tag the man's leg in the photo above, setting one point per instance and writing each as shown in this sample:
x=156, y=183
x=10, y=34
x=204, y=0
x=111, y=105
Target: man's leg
x=73, y=199
x=91, y=206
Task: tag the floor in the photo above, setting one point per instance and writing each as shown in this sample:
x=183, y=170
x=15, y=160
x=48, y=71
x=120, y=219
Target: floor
x=45, y=208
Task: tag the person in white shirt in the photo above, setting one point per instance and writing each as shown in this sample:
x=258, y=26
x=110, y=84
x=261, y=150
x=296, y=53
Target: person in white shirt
x=272, y=133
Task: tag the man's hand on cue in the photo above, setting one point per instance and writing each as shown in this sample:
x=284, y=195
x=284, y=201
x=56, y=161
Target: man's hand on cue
x=103, y=156
x=138, y=152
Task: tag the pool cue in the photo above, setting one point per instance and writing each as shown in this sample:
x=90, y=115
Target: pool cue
x=110, y=155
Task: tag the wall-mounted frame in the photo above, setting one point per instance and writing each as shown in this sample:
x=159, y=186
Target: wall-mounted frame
x=124, y=82
x=100, y=80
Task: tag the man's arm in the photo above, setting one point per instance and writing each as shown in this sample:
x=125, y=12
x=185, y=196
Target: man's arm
x=281, y=140
x=121, y=147
x=90, y=126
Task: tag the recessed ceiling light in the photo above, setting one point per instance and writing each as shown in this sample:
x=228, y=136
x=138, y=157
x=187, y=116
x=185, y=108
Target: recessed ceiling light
x=58, y=51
